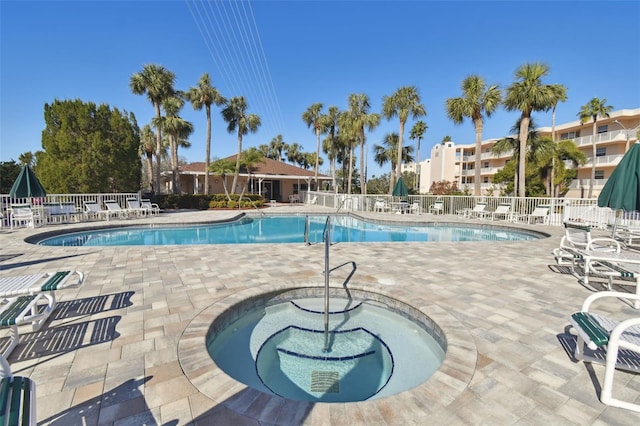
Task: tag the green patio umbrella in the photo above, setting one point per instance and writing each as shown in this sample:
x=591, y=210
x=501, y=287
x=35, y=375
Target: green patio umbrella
x=27, y=185
x=400, y=189
x=622, y=190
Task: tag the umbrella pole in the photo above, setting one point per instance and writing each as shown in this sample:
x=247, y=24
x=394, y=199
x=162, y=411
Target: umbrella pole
x=615, y=224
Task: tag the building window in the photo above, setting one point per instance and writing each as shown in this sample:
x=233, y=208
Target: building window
x=599, y=174
x=603, y=129
x=486, y=179
x=485, y=164
x=601, y=152
x=569, y=135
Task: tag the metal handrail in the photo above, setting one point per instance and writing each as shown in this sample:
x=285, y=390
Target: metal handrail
x=326, y=236
x=344, y=200
x=252, y=203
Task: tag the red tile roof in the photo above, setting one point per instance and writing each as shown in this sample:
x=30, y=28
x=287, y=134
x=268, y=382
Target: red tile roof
x=269, y=167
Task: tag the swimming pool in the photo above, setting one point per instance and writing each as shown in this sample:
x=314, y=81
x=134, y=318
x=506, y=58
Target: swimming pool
x=285, y=229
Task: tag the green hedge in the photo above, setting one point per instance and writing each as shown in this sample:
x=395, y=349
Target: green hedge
x=205, y=202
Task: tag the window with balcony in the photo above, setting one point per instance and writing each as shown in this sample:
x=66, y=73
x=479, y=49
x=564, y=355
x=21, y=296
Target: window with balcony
x=599, y=174
x=569, y=135
x=603, y=129
x=601, y=152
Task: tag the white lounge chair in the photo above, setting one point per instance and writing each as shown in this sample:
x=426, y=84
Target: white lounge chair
x=114, y=209
x=479, y=210
x=152, y=208
x=21, y=297
x=437, y=207
x=17, y=397
x=415, y=207
x=578, y=236
x=502, y=212
x=94, y=211
x=135, y=208
x=539, y=214
x=605, y=340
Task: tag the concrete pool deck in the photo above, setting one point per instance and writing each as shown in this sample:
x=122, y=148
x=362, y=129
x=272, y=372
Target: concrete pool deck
x=123, y=348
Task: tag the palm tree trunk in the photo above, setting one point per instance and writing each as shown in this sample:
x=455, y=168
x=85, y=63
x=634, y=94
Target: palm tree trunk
x=156, y=184
x=174, y=164
x=150, y=170
x=237, y=172
x=317, y=156
x=207, y=158
x=476, y=185
x=524, y=129
x=363, y=177
x=399, y=156
x=350, y=168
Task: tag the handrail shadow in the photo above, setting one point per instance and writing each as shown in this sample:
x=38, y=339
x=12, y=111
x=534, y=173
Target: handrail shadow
x=36, y=262
x=92, y=305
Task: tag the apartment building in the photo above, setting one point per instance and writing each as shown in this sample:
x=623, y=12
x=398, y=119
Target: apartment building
x=614, y=135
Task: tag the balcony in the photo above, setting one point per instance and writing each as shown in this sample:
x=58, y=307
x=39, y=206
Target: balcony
x=613, y=136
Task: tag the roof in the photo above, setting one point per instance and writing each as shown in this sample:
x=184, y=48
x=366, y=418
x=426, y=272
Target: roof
x=268, y=168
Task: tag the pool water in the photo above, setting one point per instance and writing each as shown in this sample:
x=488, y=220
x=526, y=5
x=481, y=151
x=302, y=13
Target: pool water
x=280, y=349
x=283, y=229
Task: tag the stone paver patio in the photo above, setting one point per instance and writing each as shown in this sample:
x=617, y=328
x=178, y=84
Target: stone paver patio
x=124, y=349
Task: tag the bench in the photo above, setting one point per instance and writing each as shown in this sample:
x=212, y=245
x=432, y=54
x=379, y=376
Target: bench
x=17, y=398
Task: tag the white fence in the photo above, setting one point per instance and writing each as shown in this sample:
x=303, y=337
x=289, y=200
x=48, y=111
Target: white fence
x=560, y=209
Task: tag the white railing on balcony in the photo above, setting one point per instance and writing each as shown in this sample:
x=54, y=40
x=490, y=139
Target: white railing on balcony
x=614, y=135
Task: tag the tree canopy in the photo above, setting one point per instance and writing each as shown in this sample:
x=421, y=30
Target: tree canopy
x=88, y=148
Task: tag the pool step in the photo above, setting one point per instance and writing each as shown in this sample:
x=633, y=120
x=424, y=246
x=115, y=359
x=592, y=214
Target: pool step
x=325, y=381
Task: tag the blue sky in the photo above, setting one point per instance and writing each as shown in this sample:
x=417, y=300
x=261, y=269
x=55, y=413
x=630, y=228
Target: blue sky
x=284, y=56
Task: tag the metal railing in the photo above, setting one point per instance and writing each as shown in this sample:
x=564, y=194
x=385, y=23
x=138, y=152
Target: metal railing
x=561, y=209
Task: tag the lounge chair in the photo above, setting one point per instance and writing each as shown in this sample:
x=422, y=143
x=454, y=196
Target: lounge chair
x=578, y=236
x=437, y=207
x=152, y=208
x=114, y=209
x=62, y=212
x=477, y=211
x=604, y=340
x=92, y=210
x=21, y=214
x=17, y=397
x=21, y=297
x=415, y=207
x=539, y=214
x=135, y=208
x=313, y=200
x=502, y=212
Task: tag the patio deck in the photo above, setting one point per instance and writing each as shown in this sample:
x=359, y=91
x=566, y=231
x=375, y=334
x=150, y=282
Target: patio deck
x=115, y=351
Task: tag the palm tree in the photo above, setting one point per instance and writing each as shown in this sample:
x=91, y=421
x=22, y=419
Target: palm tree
x=417, y=132
x=147, y=141
x=276, y=146
x=386, y=153
x=157, y=82
x=560, y=94
x=235, y=114
x=178, y=129
x=313, y=118
x=360, y=117
x=330, y=146
x=348, y=135
x=591, y=111
x=205, y=95
x=554, y=158
x=527, y=95
x=477, y=101
x=403, y=103
x=249, y=159
x=222, y=168
x=294, y=151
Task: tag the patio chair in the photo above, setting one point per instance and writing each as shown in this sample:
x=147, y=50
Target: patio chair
x=135, y=208
x=605, y=340
x=114, y=209
x=21, y=214
x=502, y=211
x=437, y=207
x=17, y=397
x=21, y=297
x=477, y=211
x=152, y=208
x=415, y=207
x=92, y=210
x=539, y=214
x=578, y=236
x=381, y=206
